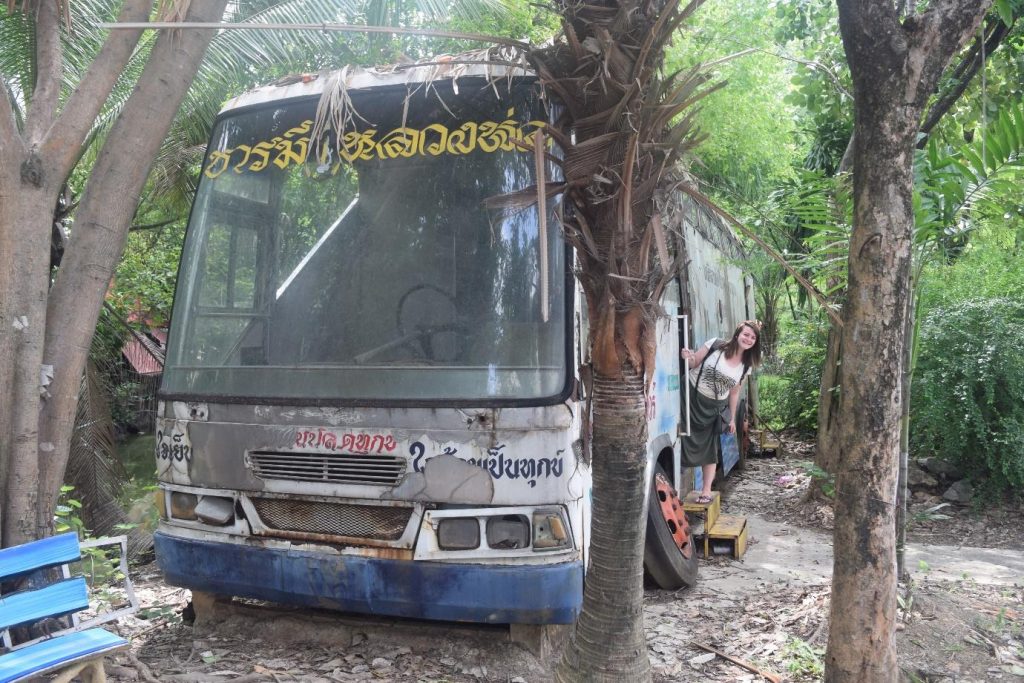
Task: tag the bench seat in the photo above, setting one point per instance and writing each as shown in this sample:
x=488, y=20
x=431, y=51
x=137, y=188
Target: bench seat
x=55, y=653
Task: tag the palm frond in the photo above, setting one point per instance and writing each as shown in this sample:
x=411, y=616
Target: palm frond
x=950, y=181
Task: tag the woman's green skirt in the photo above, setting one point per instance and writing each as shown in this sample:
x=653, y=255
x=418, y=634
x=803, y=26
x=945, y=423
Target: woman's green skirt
x=701, y=447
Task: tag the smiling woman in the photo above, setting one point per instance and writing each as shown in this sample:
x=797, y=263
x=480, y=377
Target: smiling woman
x=722, y=368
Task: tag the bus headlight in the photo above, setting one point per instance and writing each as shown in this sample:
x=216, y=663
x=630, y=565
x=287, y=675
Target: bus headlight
x=508, y=532
x=549, y=530
x=183, y=505
x=458, y=533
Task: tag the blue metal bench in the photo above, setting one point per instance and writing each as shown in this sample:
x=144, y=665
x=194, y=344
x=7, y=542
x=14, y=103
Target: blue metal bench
x=73, y=651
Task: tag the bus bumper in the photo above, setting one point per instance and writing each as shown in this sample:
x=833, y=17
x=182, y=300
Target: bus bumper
x=499, y=594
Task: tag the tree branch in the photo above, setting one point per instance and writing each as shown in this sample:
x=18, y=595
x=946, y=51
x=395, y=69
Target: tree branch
x=42, y=108
x=153, y=226
x=934, y=37
x=69, y=131
x=964, y=73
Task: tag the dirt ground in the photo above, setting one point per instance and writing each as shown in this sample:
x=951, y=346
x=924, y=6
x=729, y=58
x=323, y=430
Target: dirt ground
x=961, y=616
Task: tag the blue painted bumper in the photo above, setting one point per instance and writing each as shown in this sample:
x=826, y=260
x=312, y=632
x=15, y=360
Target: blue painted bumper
x=500, y=594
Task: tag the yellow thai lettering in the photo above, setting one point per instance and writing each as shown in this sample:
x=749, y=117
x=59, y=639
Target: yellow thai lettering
x=293, y=147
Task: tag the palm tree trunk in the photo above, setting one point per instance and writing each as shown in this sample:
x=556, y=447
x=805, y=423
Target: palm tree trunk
x=607, y=642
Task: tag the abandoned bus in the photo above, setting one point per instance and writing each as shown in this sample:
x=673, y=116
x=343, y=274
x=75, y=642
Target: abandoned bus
x=371, y=397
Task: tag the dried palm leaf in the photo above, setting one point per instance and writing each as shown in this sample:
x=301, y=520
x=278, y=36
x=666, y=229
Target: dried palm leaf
x=94, y=468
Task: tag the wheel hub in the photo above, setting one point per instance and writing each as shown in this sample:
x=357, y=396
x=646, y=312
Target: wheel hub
x=675, y=516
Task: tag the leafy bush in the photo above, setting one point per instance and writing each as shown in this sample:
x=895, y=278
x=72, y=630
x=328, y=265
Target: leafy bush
x=788, y=385
x=968, y=395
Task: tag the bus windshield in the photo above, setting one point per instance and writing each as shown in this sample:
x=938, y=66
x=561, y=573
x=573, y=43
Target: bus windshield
x=369, y=269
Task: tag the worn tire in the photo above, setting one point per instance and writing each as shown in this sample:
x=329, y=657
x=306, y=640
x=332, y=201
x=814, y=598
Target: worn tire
x=671, y=562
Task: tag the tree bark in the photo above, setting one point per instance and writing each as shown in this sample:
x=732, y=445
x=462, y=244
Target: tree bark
x=11, y=162
x=613, y=595
x=30, y=182
x=895, y=66
x=24, y=329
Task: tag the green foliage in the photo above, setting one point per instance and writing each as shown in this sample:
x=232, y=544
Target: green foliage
x=979, y=175
x=930, y=514
x=788, y=386
x=67, y=516
x=803, y=659
x=989, y=267
x=968, y=394
x=828, y=480
x=820, y=82
x=752, y=135
x=517, y=19
x=144, y=282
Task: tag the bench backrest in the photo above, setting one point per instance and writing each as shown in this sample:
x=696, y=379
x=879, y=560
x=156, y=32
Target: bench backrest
x=47, y=552
x=49, y=595
x=43, y=598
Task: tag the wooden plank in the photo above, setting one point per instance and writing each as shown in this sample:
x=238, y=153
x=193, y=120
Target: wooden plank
x=47, y=552
x=728, y=526
x=708, y=511
x=54, y=600
x=741, y=544
x=57, y=652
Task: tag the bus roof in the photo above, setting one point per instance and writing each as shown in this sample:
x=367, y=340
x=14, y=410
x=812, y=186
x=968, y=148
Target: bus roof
x=491, y=63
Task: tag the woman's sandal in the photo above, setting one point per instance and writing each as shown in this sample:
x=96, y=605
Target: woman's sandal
x=702, y=499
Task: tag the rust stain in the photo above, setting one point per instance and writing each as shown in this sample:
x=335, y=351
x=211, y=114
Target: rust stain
x=382, y=553
x=348, y=541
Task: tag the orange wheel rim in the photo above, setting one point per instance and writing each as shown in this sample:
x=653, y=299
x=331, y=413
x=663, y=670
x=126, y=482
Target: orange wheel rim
x=672, y=511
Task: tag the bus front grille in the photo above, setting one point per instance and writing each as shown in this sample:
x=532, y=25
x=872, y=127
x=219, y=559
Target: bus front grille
x=335, y=468
x=378, y=522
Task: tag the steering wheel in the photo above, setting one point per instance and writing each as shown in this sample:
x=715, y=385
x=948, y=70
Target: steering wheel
x=428, y=316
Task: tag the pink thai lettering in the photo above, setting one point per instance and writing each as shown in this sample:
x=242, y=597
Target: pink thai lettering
x=329, y=440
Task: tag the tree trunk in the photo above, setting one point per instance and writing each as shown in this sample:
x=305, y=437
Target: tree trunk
x=28, y=184
x=105, y=214
x=863, y=608
x=46, y=332
x=895, y=65
x=613, y=595
x=23, y=358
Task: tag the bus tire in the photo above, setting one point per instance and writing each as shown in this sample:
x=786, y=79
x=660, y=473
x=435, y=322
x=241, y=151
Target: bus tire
x=670, y=554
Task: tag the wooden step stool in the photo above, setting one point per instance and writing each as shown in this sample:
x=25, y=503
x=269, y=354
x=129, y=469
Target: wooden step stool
x=708, y=512
x=729, y=530
x=768, y=446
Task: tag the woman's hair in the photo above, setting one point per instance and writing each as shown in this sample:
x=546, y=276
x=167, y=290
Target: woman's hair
x=752, y=356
